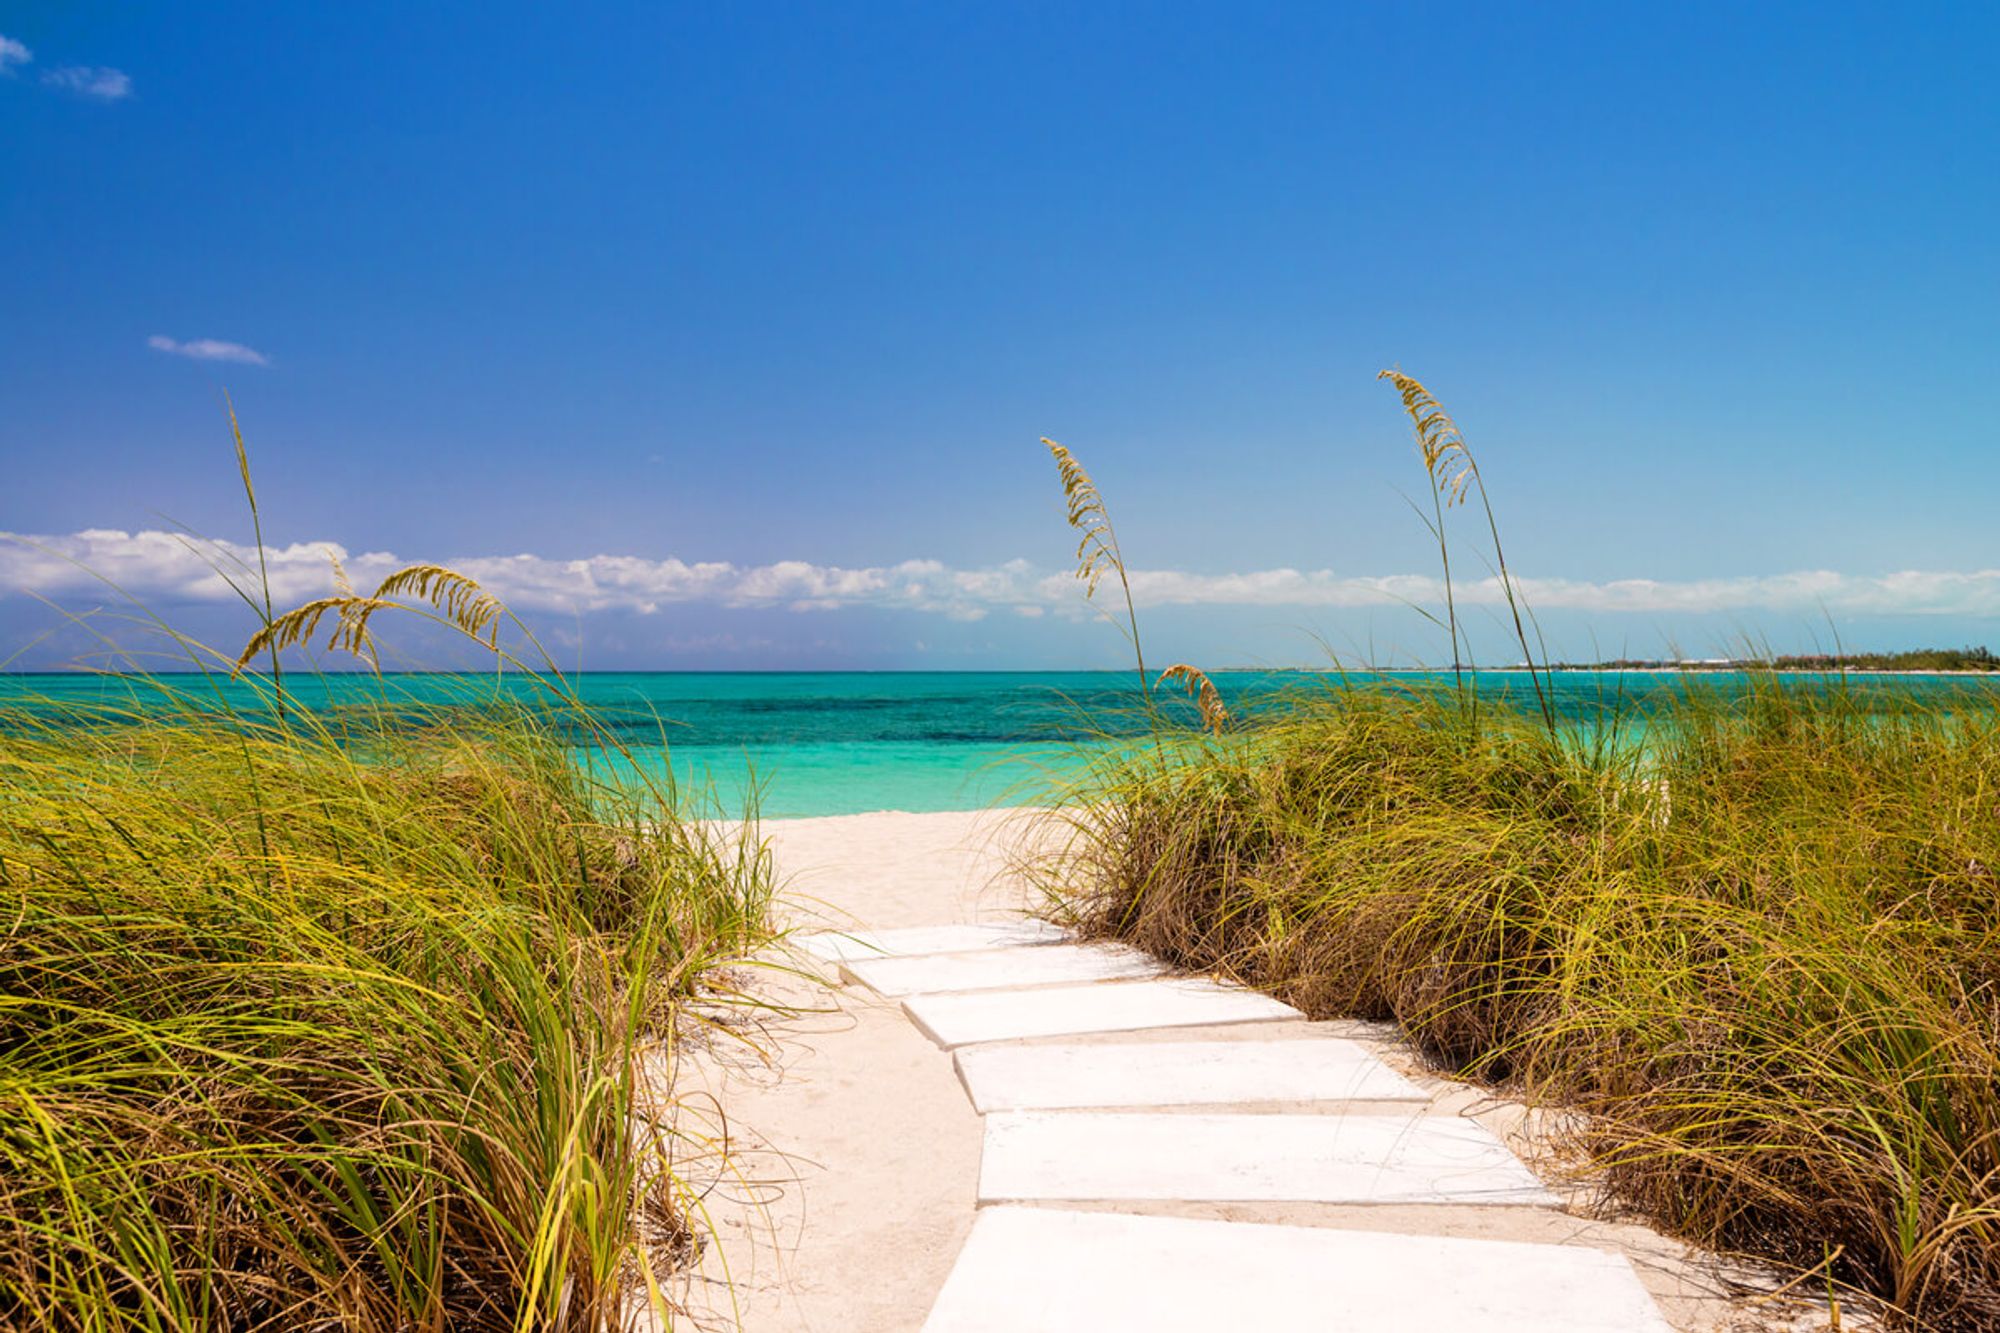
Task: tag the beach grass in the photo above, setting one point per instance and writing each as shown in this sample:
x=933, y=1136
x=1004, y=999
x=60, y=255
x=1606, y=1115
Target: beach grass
x=346, y=1022
x=1745, y=942
x=1759, y=954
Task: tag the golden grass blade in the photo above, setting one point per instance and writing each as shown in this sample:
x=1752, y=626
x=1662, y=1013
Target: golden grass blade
x=457, y=596
x=1454, y=472
x=1438, y=439
x=1214, y=716
x=1097, y=547
x=242, y=453
x=1096, y=551
x=263, y=560
x=298, y=626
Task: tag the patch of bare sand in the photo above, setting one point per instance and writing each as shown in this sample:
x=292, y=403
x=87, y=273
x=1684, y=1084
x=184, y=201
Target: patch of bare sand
x=854, y=1153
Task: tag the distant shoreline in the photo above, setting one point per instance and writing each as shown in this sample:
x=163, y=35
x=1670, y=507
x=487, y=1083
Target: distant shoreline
x=1650, y=669
x=1744, y=667
x=1664, y=669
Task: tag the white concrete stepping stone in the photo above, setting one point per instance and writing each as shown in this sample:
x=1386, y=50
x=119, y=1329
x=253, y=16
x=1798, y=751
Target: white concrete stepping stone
x=836, y=946
x=1064, y=1272
x=995, y=968
x=1117, y=1006
x=1244, y=1158
x=1180, y=1073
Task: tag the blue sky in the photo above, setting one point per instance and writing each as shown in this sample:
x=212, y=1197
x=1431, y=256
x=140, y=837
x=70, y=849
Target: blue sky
x=741, y=322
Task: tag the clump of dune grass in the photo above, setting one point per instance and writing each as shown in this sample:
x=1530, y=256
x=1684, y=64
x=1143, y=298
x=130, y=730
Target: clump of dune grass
x=1760, y=954
x=1750, y=938
x=298, y=1038
x=347, y=1020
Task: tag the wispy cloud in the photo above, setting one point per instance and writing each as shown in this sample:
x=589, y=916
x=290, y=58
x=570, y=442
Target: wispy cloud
x=208, y=349
x=99, y=81
x=166, y=567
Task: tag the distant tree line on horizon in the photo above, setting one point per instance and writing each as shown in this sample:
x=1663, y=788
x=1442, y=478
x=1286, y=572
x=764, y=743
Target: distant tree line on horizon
x=1976, y=658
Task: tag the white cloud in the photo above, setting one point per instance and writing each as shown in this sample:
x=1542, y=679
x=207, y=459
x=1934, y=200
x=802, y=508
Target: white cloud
x=99, y=81
x=12, y=53
x=208, y=349
x=163, y=566
x=1909, y=592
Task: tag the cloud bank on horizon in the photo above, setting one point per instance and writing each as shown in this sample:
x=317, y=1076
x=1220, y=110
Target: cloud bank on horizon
x=172, y=568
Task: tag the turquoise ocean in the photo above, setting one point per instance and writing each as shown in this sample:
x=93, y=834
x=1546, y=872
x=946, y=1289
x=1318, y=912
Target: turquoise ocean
x=828, y=743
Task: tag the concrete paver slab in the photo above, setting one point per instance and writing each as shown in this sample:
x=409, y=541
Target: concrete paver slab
x=837, y=946
x=1181, y=1073
x=1239, y=1158
x=1066, y=1272
x=1117, y=1006
x=993, y=969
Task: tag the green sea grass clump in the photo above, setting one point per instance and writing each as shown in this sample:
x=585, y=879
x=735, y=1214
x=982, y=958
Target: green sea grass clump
x=304, y=1032
x=1757, y=944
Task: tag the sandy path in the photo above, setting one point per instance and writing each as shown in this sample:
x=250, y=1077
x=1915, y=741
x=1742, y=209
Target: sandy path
x=855, y=1151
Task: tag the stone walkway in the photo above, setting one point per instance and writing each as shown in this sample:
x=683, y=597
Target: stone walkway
x=962, y=1121
x=1112, y=1121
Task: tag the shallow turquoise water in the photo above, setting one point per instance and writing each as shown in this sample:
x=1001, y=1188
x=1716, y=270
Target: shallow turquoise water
x=808, y=743
x=819, y=743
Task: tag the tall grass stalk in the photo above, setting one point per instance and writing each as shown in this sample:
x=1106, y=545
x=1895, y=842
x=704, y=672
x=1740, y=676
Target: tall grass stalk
x=263, y=607
x=1454, y=475
x=1097, y=546
x=1097, y=551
